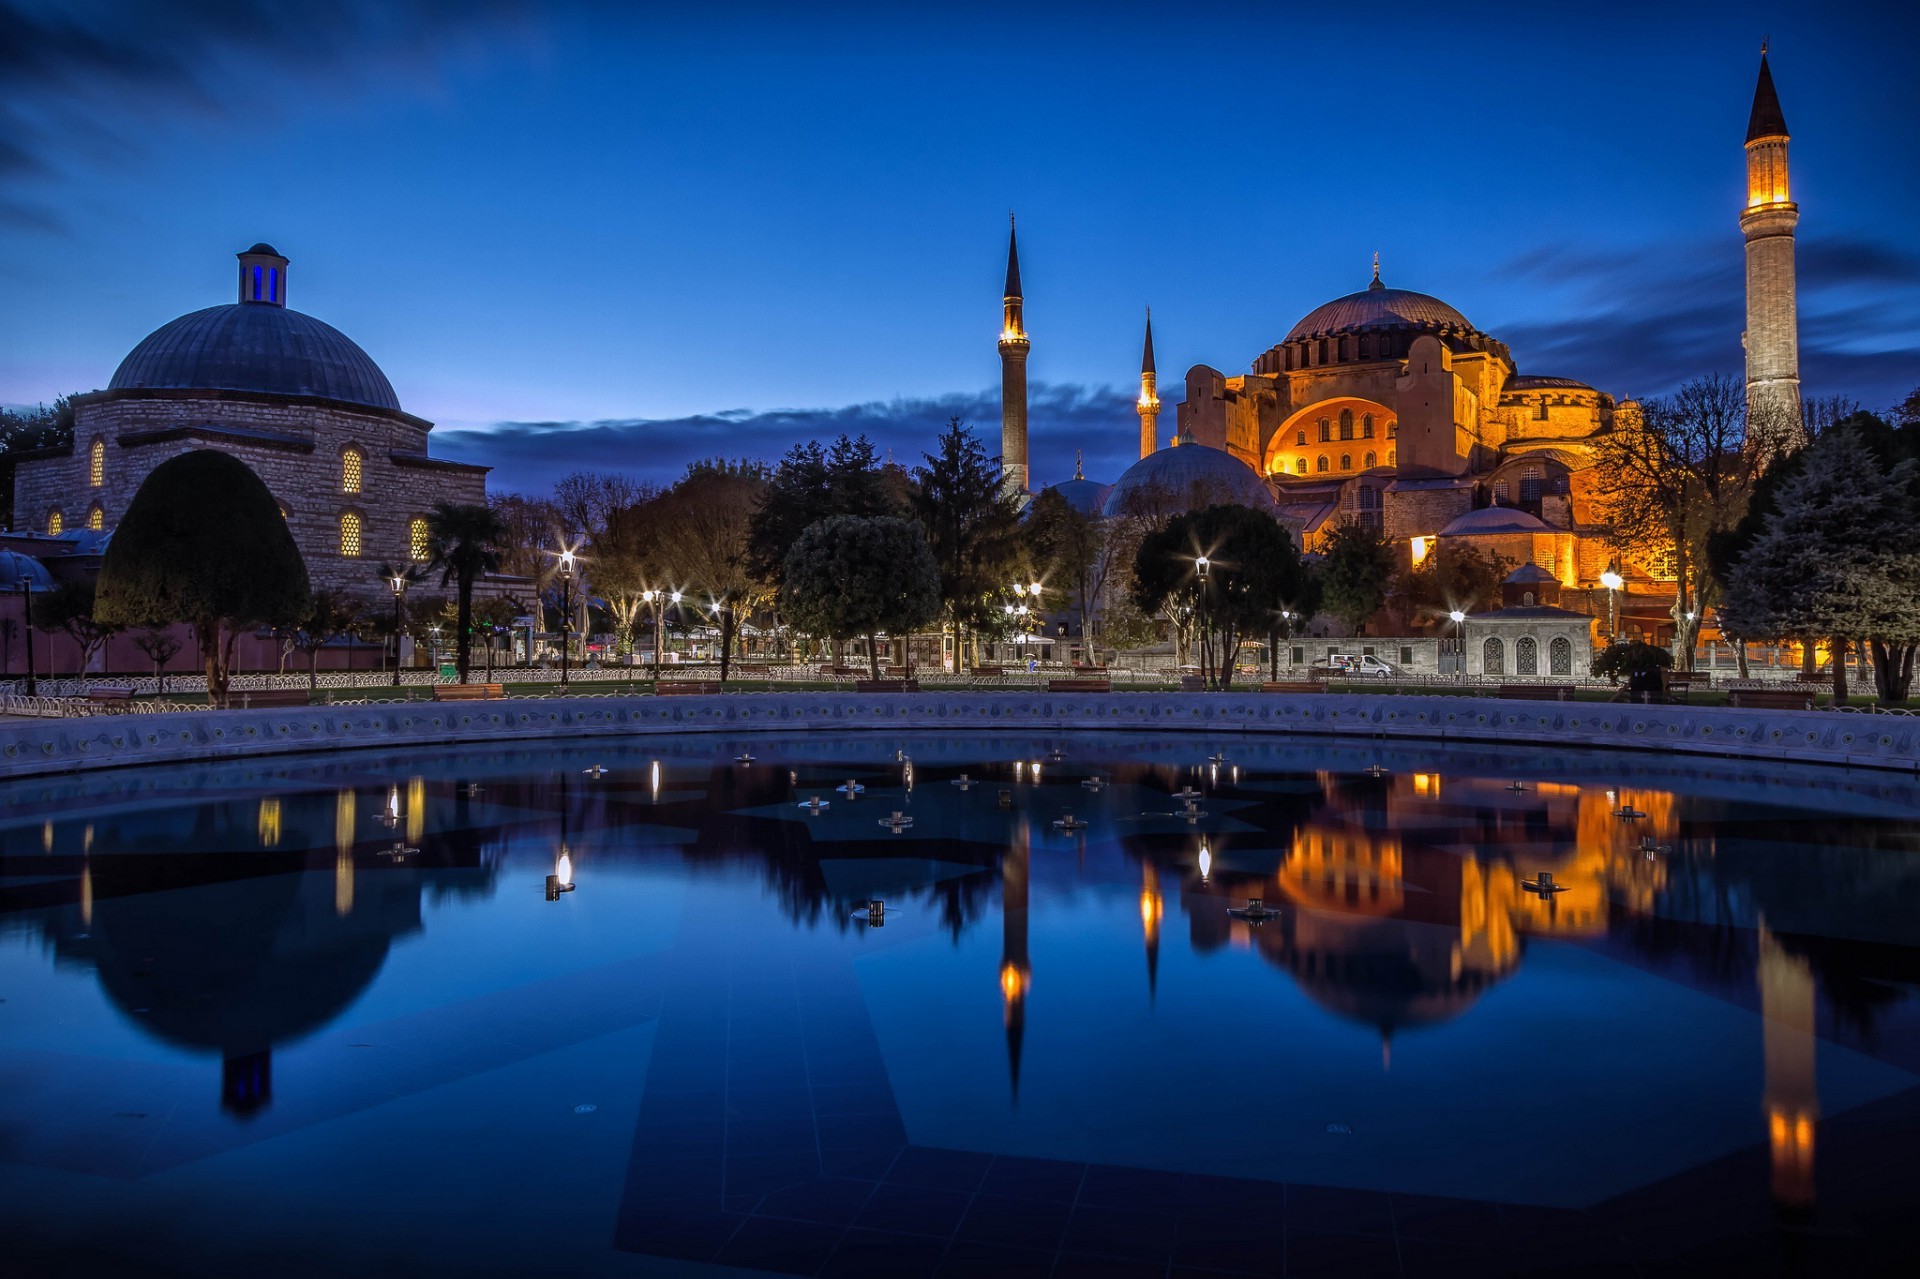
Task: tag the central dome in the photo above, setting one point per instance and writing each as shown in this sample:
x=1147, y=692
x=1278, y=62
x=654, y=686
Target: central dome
x=1189, y=476
x=1378, y=307
x=253, y=346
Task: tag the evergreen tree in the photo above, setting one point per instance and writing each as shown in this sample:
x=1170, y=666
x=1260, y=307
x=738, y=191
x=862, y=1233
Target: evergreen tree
x=1355, y=573
x=852, y=575
x=1453, y=576
x=972, y=523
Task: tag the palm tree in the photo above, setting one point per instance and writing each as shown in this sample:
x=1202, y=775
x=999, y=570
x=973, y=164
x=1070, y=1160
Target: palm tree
x=465, y=540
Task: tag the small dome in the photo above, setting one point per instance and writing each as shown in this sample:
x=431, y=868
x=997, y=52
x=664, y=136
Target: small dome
x=265, y=248
x=1529, y=573
x=1379, y=308
x=16, y=568
x=1083, y=495
x=1193, y=474
x=1494, y=519
x=248, y=347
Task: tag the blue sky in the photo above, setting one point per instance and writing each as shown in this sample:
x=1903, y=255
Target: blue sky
x=627, y=236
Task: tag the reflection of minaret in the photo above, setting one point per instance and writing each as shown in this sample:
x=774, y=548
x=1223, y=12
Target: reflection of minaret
x=1149, y=405
x=1787, y=1029
x=1773, y=330
x=1152, y=907
x=1016, y=973
x=1013, y=376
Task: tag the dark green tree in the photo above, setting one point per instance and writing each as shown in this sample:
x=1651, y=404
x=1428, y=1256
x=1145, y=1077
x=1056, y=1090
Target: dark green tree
x=1253, y=571
x=222, y=565
x=68, y=610
x=1355, y=572
x=465, y=541
x=1453, y=576
x=852, y=575
x=810, y=483
x=972, y=523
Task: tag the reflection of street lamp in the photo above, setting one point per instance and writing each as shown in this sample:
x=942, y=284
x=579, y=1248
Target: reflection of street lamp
x=399, y=584
x=1613, y=582
x=1201, y=564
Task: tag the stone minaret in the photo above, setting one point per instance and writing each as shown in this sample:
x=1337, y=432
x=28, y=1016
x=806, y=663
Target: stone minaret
x=1013, y=376
x=1149, y=406
x=1772, y=338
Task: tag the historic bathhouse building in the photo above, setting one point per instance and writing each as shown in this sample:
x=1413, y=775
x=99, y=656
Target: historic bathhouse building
x=1390, y=407
x=290, y=396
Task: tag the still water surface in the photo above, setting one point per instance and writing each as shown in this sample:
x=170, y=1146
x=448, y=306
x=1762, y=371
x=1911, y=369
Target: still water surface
x=624, y=1008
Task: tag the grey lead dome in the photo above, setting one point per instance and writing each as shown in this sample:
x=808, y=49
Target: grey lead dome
x=247, y=346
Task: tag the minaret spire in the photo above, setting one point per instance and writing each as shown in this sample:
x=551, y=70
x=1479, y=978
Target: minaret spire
x=1014, y=348
x=1149, y=405
x=1772, y=338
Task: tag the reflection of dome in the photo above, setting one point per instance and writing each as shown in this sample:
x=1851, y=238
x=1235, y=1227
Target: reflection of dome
x=1084, y=495
x=1378, y=307
x=1385, y=973
x=253, y=346
x=1494, y=519
x=1192, y=475
x=16, y=568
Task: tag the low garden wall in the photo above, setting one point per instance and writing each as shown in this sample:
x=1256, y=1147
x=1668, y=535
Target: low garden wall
x=33, y=747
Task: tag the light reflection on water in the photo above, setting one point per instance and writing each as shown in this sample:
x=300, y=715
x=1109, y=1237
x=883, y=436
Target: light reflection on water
x=1657, y=963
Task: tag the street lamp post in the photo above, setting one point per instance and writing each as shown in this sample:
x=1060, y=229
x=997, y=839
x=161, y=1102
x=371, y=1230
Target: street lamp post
x=399, y=584
x=652, y=599
x=1286, y=622
x=1201, y=564
x=1613, y=582
x=1459, y=620
x=26, y=621
x=566, y=612
x=675, y=597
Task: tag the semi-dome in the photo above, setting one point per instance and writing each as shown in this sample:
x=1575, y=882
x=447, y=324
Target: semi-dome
x=1494, y=519
x=1379, y=307
x=1191, y=474
x=254, y=346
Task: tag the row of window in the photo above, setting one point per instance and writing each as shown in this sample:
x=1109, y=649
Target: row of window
x=1526, y=656
x=353, y=529
x=1346, y=428
x=57, y=520
x=1324, y=462
x=353, y=466
x=1364, y=346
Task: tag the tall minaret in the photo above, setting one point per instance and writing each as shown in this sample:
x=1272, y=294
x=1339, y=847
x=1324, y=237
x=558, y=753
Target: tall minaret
x=1013, y=375
x=1772, y=338
x=1149, y=406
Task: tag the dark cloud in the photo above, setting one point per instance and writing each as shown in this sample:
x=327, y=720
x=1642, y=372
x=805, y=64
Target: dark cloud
x=78, y=81
x=1641, y=321
x=529, y=456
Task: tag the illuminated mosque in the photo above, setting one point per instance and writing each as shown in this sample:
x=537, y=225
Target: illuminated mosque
x=1390, y=408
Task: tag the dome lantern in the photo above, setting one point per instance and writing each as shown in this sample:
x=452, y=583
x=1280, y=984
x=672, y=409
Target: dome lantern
x=263, y=275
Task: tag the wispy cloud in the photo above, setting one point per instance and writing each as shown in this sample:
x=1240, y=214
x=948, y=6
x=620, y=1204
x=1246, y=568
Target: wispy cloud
x=528, y=457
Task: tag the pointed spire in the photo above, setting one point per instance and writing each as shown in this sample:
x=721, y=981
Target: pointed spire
x=1076, y=466
x=1766, y=121
x=1376, y=273
x=1146, y=355
x=1013, y=260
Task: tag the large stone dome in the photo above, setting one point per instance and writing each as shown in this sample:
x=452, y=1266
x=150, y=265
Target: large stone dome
x=254, y=346
x=1190, y=475
x=1379, y=307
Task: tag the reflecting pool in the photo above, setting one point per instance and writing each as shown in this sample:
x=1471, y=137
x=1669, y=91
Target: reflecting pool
x=1026, y=1005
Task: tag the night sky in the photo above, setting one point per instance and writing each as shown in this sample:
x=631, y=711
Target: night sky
x=577, y=235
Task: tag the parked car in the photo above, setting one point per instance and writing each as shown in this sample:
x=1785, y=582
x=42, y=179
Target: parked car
x=1364, y=665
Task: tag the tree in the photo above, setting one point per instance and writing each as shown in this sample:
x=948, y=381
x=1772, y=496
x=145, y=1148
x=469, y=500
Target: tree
x=491, y=617
x=1064, y=546
x=1677, y=473
x=1253, y=569
x=973, y=527
x=809, y=484
x=23, y=430
x=1354, y=573
x=222, y=565
x=68, y=609
x=534, y=528
x=705, y=524
x=851, y=575
x=1630, y=658
x=1838, y=558
x=1453, y=576
x=329, y=615
x=159, y=644
x=465, y=540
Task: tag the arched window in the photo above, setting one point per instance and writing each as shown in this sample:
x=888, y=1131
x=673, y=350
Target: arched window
x=1494, y=659
x=419, y=546
x=1346, y=424
x=1319, y=465
x=1300, y=438
x=1540, y=409
x=1526, y=656
x=1526, y=597
x=1369, y=462
x=1326, y=430
x=1300, y=465
x=1560, y=656
x=1366, y=426
x=1346, y=461
x=1393, y=430
x=97, y=463
x=1393, y=457
x=56, y=524
x=352, y=467
x=96, y=518
x=1530, y=486
x=351, y=527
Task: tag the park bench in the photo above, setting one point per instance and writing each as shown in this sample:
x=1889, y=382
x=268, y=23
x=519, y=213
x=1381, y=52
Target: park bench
x=1291, y=686
x=886, y=686
x=840, y=670
x=1772, y=699
x=1680, y=687
x=1081, y=684
x=273, y=697
x=1536, y=692
x=685, y=687
x=1192, y=684
x=760, y=669
x=109, y=694
x=467, y=692
x=989, y=672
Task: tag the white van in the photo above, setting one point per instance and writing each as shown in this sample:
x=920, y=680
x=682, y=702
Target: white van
x=1364, y=665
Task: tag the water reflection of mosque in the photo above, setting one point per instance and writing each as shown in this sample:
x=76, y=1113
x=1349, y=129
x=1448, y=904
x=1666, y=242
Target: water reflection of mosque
x=236, y=927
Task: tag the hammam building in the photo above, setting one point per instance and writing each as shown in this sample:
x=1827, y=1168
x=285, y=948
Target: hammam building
x=293, y=398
